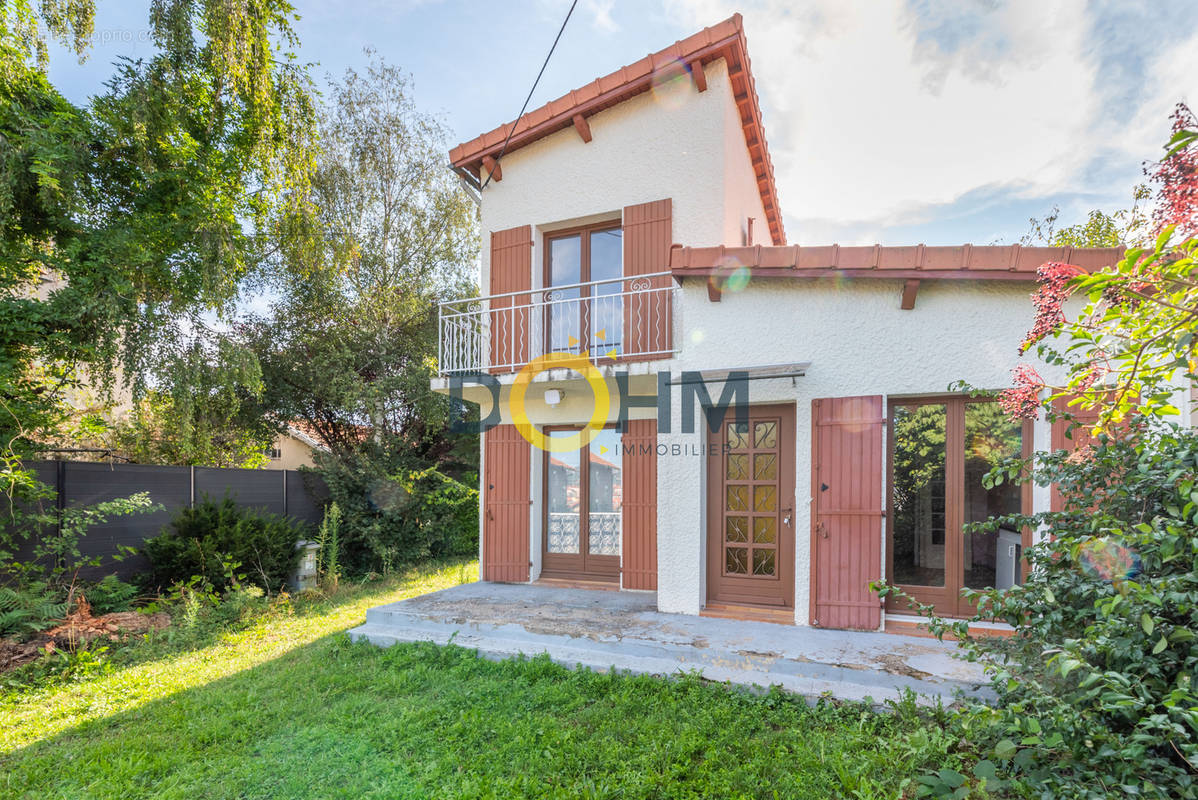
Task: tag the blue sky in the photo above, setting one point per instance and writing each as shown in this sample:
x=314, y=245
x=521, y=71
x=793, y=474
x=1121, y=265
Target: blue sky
x=892, y=121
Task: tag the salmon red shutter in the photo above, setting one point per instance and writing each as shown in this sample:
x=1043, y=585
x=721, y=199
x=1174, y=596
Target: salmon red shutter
x=846, y=492
x=506, y=506
x=1064, y=439
x=510, y=318
x=639, y=545
x=648, y=233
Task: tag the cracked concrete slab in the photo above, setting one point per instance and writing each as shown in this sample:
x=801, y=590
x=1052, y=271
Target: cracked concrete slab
x=622, y=630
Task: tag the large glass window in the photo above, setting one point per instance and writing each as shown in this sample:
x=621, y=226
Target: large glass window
x=941, y=451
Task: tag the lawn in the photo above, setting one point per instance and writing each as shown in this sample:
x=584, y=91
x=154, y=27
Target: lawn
x=288, y=707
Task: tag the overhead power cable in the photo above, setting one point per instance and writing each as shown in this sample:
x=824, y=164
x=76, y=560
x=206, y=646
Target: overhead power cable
x=523, y=108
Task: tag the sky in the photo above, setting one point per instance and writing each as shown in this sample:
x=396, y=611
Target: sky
x=888, y=121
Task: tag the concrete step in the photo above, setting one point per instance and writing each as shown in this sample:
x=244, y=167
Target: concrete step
x=649, y=651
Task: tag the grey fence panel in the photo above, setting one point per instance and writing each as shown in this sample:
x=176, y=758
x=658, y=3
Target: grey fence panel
x=300, y=495
x=88, y=483
x=47, y=473
x=253, y=488
x=306, y=496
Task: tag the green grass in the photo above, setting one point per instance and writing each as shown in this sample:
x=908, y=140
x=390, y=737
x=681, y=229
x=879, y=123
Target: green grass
x=289, y=708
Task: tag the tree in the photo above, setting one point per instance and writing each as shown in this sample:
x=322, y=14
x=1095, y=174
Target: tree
x=1100, y=229
x=350, y=345
x=124, y=223
x=1135, y=340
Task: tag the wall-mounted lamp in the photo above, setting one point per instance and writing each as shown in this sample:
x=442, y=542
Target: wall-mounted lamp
x=553, y=396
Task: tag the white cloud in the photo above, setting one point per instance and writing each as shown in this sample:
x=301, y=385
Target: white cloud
x=880, y=112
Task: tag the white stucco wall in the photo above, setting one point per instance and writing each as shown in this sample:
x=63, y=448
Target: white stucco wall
x=673, y=142
x=742, y=196
x=859, y=342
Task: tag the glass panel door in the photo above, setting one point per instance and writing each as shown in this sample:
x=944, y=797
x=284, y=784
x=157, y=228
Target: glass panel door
x=563, y=497
x=918, y=494
x=990, y=558
x=940, y=451
x=606, y=329
x=563, y=309
x=583, y=508
x=606, y=494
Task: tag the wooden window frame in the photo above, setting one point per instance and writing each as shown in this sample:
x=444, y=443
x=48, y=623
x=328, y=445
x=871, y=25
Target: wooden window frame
x=584, y=233
x=947, y=602
x=607, y=567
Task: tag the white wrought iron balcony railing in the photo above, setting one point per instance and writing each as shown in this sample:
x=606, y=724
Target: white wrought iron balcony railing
x=608, y=321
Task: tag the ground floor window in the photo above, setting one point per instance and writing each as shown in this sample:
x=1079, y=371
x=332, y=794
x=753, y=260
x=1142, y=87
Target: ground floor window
x=940, y=449
x=584, y=501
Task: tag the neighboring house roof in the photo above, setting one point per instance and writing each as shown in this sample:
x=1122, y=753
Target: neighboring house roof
x=725, y=40
x=310, y=439
x=989, y=262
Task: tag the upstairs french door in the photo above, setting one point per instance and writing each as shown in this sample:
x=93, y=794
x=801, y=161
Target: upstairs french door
x=585, y=312
x=940, y=449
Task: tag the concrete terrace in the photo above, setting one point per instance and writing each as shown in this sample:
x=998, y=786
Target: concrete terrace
x=605, y=630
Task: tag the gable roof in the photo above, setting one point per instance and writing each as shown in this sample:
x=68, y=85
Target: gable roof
x=989, y=262
x=725, y=40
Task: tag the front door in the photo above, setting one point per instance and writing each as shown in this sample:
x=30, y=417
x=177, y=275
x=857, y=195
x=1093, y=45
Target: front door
x=750, y=509
x=584, y=500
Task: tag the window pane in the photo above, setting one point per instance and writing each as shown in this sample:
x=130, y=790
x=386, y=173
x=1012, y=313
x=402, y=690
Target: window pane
x=737, y=529
x=765, y=530
x=738, y=498
x=738, y=467
x=765, y=434
x=736, y=560
x=607, y=254
x=606, y=313
x=564, y=493
x=765, y=466
x=606, y=487
x=763, y=562
x=918, y=488
x=991, y=559
x=563, y=308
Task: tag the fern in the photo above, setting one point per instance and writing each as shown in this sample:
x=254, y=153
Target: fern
x=29, y=610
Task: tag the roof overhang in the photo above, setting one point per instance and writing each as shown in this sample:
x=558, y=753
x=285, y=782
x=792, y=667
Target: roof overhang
x=990, y=262
x=725, y=40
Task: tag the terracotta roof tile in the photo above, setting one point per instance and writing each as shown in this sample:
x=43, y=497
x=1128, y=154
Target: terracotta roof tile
x=724, y=40
x=957, y=261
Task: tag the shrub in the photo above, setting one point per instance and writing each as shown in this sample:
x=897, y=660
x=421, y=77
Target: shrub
x=1095, y=692
x=218, y=540
x=393, y=519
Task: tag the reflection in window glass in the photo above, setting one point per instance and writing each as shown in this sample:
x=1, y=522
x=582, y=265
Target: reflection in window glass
x=918, y=487
x=990, y=559
x=606, y=490
x=564, y=493
x=563, y=306
x=606, y=327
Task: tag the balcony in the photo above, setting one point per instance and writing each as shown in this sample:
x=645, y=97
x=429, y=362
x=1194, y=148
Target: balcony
x=609, y=322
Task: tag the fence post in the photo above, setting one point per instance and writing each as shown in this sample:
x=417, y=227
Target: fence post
x=192, y=472
x=284, y=492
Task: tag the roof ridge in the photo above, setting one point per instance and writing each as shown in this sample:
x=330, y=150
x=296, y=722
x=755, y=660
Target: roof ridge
x=725, y=39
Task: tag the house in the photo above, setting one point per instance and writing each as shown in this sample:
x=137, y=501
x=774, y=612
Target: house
x=768, y=428
x=295, y=447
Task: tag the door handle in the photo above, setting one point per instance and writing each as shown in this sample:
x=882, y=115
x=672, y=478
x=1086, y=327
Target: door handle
x=786, y=514
x=821, y=529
